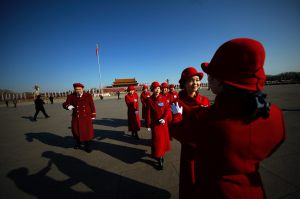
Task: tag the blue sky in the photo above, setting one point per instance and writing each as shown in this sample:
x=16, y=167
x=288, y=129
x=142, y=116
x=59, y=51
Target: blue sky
x=52, y=43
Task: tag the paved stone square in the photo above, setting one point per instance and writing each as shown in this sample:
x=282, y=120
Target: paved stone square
x=38, y=159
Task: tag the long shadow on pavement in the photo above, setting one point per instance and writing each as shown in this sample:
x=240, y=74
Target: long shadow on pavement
x=111, y=122
x=103, y=184
x=119, y=136
x=124, y=153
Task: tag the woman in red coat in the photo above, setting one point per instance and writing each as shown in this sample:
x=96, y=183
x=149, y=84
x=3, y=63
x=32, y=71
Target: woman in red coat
x=84, y=112
x=189, y=99
x=132, y=103
x=158, y=117
x=144, y=99
x=240, y=130
x=165, y=91
x=173, y=94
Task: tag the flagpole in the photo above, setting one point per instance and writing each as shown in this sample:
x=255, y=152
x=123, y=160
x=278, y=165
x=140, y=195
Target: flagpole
x=99, y=71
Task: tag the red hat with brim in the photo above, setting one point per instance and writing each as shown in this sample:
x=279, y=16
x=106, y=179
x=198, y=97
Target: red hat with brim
x=154, y=85
x=130, y=88
x=239, y=62
x=76, y=85
x=145, y=87
x=164, y=85
x=172, y=86
x=188, y=73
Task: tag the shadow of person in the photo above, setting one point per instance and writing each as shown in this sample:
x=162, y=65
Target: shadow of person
x=44, y=187
x=111, y=122
x=105, y=184
x=30, y=118
x=124, y=153
x=51, y=139
x=101, y=134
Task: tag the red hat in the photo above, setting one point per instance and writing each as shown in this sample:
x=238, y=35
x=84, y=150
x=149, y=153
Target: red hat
x=145, y=87
x=239, y=62
x=188, y=73
x=130, y=88
x=154, y=85
x=78, y=85
x=172, y=86
x=164, y=85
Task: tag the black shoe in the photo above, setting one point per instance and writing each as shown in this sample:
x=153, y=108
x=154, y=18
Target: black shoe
x=47, y=116
x=88, y=149
x=137, y=136
x=161, y=163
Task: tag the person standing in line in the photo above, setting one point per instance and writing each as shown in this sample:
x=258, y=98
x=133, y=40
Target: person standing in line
x=84, y=112
x=189, y=98
x=132, y=102
x=39, y=106
x=165, y=92
x=158, y=117
x=144, y=100
x=173, y=94
x=239, y=130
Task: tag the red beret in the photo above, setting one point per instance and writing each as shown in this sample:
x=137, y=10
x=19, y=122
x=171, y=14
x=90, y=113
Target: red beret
x=172, y=86
x=145, y=87
x=239, y=62
x=78, y=85
x=188, y=73
x=164, y=85
x=130, y=88
x=154, y=85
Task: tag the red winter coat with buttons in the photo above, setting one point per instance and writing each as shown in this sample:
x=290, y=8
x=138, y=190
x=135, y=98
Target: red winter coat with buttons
x=132, y=103
x=84, y=111
x=188, y=157
x=158, y=108
x=230, y=148
x=144, y=99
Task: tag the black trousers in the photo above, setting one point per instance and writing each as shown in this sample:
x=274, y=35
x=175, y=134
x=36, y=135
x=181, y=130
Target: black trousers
x=37, y=112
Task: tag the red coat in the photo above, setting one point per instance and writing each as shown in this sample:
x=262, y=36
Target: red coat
x=168, y=97
x=132, y=103
x=230, y=149
x=188, y=157
x=84, y=111
x=173, y=96
x=144, y=99
x=158, y=108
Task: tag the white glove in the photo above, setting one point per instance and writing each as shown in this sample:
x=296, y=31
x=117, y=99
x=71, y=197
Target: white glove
x=136, y=112
x=176, y=108
x=71, y=107
x=149, y=129
x=93, y=118
x=162, y=121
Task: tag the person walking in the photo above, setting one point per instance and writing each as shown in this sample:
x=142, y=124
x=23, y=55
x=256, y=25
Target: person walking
x=84, y=112
x=39, y=106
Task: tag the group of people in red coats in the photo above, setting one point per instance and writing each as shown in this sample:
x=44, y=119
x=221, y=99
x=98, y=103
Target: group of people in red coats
x=222, y=144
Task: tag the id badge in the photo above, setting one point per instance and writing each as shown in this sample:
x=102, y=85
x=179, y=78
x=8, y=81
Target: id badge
x=161, y=104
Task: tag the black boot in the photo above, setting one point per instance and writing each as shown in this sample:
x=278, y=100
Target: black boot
x=160, y=163
x=137, y=136
x=78, y=144
x=87, y=147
